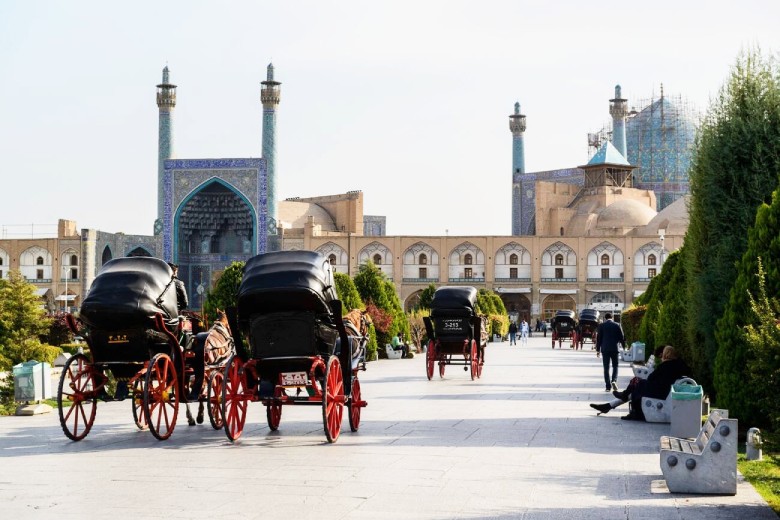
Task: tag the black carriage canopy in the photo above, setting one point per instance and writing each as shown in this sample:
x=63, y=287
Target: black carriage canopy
x=454, y=299
x=589, y=315
x=286, y=281
x=564, y=315
x=127, y=292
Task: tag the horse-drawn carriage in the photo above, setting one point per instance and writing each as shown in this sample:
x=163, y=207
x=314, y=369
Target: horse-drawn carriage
x=587, y=327
x=564, y=328
x=131, y=324
x=299, y=351
x=454, y=328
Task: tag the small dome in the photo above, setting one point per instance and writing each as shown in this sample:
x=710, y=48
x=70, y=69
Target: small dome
x=673, y=218
x=625, y=213
x=294, y=214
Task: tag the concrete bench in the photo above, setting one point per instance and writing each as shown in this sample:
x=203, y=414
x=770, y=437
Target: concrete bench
x=641, y=371
x=660, y=410
x=393, y=354
x=705, y=465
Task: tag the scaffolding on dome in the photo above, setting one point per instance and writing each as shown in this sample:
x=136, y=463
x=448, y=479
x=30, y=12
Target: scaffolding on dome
x=660, y=134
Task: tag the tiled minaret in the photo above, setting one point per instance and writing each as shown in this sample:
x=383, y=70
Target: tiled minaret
x=517, y=126
x=166, y=101
x=618, y=109
x=270, y=97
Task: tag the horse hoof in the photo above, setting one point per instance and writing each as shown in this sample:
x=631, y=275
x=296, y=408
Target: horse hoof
x=200, y=418
x=190, y=422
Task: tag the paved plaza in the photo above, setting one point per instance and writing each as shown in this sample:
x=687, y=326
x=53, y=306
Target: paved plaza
x=521, y=442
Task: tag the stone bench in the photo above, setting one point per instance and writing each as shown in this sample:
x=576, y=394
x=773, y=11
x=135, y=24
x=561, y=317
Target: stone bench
x=393, y=354
x=660, y=410
x=641, y=371
x=705, y=465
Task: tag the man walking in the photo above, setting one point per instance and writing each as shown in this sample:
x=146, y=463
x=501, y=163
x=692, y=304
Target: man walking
x=512, y=333
x=608, y=336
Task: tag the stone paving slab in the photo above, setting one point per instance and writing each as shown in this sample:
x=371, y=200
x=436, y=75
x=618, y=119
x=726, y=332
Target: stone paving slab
x=521, y=443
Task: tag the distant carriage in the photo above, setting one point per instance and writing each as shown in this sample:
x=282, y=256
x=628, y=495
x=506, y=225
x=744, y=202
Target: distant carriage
x=564, y=328
x=455, y=329
x=131, y=324
x=587, y=327
x=299, y=350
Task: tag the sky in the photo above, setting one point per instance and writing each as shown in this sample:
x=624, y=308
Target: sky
x=407, y=101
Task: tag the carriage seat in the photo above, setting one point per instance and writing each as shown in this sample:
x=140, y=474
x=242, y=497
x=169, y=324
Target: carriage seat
x=393, y=354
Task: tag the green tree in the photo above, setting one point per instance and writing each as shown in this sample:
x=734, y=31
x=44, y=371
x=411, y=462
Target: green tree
x=426, y=297
x=22, y=323
x=731, y=364
x=762, y=359
x=348, y=294
x=225, y=291
x=630, y=320
x=350, y=299
x=655, y=304
x=674, y=313
x=381, y=301
x=734, y=170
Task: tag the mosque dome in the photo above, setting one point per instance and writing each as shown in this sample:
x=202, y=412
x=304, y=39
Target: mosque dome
x=294, y=215
x=625, y=213
x=673, y=219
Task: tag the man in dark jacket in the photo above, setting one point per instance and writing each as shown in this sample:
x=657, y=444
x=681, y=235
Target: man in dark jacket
x=608, y=336
x=657, y=385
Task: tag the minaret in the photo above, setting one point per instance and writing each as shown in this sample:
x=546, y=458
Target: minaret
x=166, y=101
x=618, y=109
x=517, y=126
x=270, y=97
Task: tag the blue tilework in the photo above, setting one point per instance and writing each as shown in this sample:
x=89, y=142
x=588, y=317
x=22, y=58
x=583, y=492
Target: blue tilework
x=164, y=151
x=269, y=154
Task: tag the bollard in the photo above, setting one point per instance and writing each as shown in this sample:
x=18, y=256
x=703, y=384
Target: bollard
x=753, y=444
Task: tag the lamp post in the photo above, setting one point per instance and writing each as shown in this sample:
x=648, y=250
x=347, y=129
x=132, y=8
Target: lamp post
x=661, y=237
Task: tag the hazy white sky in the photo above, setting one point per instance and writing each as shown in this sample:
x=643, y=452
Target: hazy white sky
x=404, y=100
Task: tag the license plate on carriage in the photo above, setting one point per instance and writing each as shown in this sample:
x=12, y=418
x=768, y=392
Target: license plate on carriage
x=293, y=378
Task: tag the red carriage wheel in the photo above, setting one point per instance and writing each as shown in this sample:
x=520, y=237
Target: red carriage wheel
x=138, y=404
x=480, y=362
x=273, y=411
x=234, y=399
x=474, y=360
x=161, y=396
x=355, y=404
x=333, y=399
x=214, y=399
x=430, y=359
x=77, y=388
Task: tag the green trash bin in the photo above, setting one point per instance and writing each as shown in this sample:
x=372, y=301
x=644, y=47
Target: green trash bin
x=32, y=381
x=686, y=408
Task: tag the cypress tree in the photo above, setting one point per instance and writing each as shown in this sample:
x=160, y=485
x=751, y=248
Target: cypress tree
x=734, y=389
x=733, y=171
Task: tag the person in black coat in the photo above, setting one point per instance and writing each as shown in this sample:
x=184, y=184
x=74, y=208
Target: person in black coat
x=608, y=338
x=657, y=385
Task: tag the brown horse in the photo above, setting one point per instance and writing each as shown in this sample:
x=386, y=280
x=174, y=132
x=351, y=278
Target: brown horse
x=212, y=349
x=356, y=323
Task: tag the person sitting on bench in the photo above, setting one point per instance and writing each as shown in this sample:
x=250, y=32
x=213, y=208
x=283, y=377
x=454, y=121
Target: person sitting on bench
x=398, y=344
x=657, y=385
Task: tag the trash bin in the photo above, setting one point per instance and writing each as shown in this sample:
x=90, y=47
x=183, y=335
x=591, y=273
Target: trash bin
x=638, y=352
x=686, y=408
x=32, y=381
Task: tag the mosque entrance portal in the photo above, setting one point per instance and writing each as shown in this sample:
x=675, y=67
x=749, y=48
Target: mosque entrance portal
x=215, y=221
x=214, y=228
